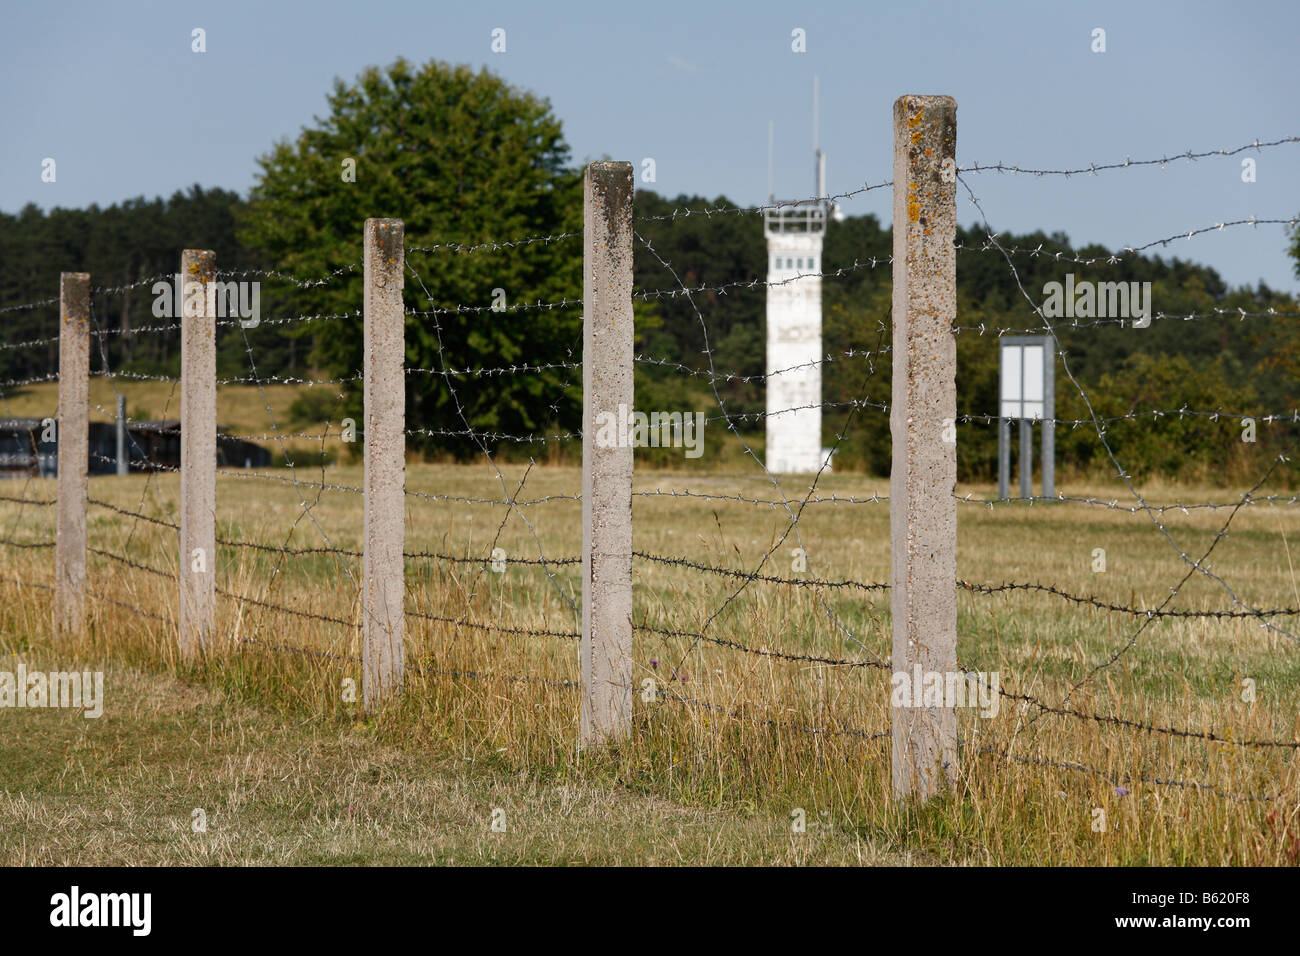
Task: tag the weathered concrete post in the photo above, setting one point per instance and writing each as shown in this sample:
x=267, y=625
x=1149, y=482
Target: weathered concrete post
x=383, y=652
x=122, y=464
x=923, y=478
x=73, y=436
x=607, y=403
x=198, y=546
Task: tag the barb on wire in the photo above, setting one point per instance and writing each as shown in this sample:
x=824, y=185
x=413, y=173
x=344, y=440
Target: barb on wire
x=492, y=246
x=1239, y=314
x=286, y=277
x=1115, y=258
x=710, y=211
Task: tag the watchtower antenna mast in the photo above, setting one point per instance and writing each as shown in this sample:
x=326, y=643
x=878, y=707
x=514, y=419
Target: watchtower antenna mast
x=820, y=171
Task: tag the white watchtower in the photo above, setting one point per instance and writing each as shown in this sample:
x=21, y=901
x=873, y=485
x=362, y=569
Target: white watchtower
x=794, y=326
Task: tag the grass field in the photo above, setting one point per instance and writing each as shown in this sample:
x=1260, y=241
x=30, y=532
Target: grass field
x=288, y=771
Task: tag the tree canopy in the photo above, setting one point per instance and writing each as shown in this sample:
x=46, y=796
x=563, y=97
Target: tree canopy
x=464, y=159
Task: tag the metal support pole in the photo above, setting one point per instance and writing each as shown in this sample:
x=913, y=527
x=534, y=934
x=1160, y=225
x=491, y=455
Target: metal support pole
x=1004, y=458
x=1049, y=418
x=1026, y=458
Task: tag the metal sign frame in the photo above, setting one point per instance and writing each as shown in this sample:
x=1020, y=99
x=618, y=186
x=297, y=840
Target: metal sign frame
x=1027, y=393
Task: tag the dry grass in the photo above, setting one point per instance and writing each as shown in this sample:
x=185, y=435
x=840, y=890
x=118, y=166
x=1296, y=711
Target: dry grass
x=277, y=741
x=123, y=790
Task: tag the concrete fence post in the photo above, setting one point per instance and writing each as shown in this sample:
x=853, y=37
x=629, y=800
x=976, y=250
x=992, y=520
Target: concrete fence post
x=607, y=402
x=383, y=652
x=923, y=477
x=198, y=547
x=73, y=437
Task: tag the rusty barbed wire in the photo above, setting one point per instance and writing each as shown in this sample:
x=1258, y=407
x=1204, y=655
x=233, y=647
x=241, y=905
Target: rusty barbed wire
x=286, y=277
x=493, y=246
x=1113, y=778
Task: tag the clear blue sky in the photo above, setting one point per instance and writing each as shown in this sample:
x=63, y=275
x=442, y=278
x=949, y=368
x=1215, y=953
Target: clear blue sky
x=114, y=94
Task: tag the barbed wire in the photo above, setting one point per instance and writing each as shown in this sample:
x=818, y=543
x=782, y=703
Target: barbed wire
x=755, y=576
x=496, y=628
x=1238, y=313
x=133, y=608
x=130, y=563
x=1094, y=168
x=1115, y=258
x=710, y=211
x=1150, y=727
x=1114, y=779
x=764, y=376
x=100, y=503
x=34, y=380
x=14, y=543
x=696, y=636
x=286, y=277
x=460, y=309
x=493, y=246
x=176, y=326
x=26, y=306
x=138, y=283
x=496, y=372
x=969, y=498
x=38, y=502
x=282, y=609
x=1149, y=613
x=1114, y=505
x=759, y=283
